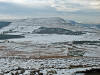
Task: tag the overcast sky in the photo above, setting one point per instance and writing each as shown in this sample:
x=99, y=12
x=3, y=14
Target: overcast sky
x=80, y=10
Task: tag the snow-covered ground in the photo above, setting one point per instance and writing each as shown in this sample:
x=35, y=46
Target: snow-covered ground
x=52, y=38
x=63, y=66
x=52, y=45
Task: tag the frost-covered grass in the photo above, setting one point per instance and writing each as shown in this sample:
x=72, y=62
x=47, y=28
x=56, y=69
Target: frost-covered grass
x=61, y=66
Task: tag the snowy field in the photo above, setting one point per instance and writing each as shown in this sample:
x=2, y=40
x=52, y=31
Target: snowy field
x=48, y=54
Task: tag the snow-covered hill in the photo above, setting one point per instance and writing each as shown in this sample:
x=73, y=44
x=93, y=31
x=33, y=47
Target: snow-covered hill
x=48, y=29
x=90, y=26
x=29, y=25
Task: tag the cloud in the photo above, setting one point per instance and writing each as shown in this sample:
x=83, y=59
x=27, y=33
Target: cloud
x=28, y=3
x=60, y=5
x=75, y=5
x=13, y=9
x=79, y=9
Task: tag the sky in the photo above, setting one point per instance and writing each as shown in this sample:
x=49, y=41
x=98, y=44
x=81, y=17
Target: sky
x=87, y=11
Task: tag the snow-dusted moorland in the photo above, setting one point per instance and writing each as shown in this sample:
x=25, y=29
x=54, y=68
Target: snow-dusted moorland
x=52, y=52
